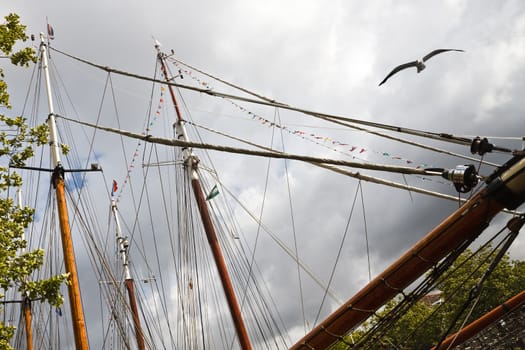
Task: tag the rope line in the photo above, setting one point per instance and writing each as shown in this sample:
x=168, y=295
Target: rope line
x=338, y=256
x=274, y=154
x=325, y=116
x=465, y=140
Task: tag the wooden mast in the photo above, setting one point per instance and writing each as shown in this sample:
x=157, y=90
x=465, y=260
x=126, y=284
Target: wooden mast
x=505, y=189
x=483, y=322
x=77, y=313
x=26, y=303
x=191, y=163
x=128, y=281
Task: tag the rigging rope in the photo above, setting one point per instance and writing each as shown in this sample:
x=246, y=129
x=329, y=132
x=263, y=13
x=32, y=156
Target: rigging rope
x=338, y=256
x=266, y=325
x=264, y=98
x=345, y=172
x=333, y=118
x=197, y=258
x=321, y=162
x=366, y=231
x=475, y=292
x=457, y=139
x=283, y=246
x=252, y=262
x=273, y=154
x=294, y=233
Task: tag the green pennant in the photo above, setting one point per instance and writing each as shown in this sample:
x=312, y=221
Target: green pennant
x=213, y=193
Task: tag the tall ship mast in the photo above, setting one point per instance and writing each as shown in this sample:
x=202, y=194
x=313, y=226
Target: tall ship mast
x=123, y=245
x=77, y=312
x=191, y=163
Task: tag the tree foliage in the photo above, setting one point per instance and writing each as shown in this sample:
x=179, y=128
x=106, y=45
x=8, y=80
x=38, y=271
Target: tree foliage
x=16, y=147
x=423, y=325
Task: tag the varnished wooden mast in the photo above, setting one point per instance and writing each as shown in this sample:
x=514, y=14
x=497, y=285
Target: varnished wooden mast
x=26, y=304
x=139, y=336
x=75, y=301
x=483, y=322
x=191, y=162
x=506, y=188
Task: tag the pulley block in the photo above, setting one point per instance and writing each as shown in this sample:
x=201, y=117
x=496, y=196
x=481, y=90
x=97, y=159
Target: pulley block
x=481, y=146
x=464, y=177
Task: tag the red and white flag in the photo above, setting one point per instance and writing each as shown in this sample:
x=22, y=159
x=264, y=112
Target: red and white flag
x=50, y=32
x=114, y=188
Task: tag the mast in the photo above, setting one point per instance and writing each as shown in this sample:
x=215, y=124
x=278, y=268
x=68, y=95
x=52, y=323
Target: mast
x=26, y=302
x=483, y=322
x=26, y=305
x=123, y=245
x=191, y=163
x=505, y=189
x=77, y=313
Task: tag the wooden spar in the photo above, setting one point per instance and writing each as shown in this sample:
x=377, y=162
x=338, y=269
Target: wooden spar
x=128, y=282
x=484, y=321
x=506, y=188
x=26, y=304
x=191, y=163
x=135, y=313
x=75, y=300
x=221, y=266
x=77, y=314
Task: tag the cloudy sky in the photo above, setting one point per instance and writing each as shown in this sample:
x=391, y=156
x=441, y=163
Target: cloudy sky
x=322, y=56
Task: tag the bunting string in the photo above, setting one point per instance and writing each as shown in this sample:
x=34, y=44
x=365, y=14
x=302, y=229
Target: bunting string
x=146, y=131
x=353, y=151
x=344, y=148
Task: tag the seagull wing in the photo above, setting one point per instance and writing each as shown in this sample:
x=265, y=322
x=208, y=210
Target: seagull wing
x=438, y=51
x=399, y=68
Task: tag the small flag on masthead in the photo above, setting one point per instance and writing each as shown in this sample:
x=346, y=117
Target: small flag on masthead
x=114, y=188
x=50, y=32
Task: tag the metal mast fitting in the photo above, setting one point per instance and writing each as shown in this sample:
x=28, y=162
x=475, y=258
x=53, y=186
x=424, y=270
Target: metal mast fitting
x=191, y=162
x=75, y=301
x=464, y=177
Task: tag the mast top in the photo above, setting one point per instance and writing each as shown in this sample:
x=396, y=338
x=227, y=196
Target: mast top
x=53, y=135
x=157, y=44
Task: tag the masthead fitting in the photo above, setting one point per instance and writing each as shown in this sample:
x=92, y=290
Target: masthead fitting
x=157, y=43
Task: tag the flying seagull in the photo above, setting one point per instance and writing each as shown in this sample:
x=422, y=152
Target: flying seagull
x=420, y=65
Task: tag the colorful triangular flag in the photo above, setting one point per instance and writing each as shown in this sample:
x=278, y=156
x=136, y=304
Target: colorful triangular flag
x=213, y=193
x=114, y=188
